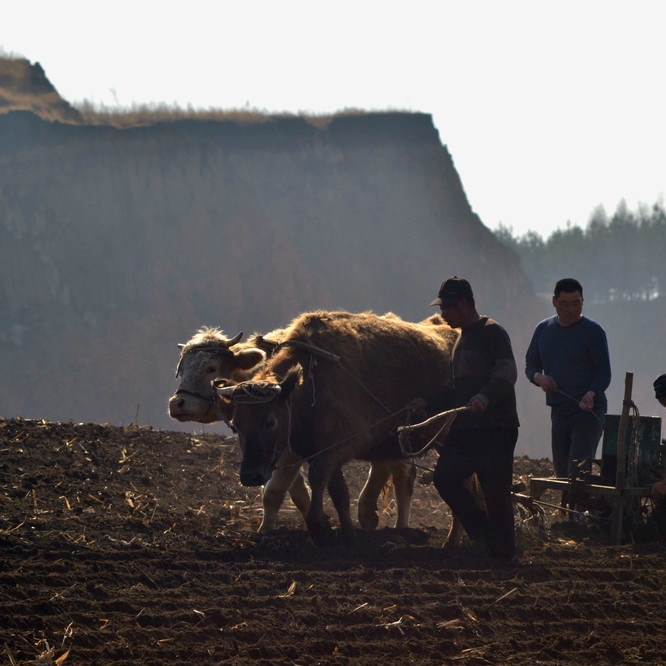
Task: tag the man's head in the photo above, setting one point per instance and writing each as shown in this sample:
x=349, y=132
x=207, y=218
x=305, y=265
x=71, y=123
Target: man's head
x=569, y=286
x=452, y=291
x=660, y=389
x=456, y=302
x=568, y=301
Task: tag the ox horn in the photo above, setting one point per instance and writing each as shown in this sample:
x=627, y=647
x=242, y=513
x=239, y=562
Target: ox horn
x=235, y=339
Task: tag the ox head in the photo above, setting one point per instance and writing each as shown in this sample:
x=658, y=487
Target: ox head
x=207, y=358
x=262, y=417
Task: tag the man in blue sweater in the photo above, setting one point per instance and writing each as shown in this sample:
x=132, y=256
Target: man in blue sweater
x=568, y=358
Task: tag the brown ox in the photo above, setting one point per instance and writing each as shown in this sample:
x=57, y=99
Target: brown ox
x=336, y=390
x=207, y=357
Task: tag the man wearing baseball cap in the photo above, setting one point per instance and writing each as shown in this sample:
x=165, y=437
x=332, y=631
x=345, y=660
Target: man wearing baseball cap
x=483, y=438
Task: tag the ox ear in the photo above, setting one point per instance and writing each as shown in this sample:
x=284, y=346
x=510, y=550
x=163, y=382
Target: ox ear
x=249, y=358
x=292, y=379
x=268, y=346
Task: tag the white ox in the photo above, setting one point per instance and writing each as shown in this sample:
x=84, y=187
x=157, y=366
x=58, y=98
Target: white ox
x=208, y=358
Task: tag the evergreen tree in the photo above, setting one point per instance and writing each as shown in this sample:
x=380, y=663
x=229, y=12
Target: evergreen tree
x=621, y=258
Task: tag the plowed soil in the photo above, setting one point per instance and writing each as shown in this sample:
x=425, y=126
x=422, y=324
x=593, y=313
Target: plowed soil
x=139, y=547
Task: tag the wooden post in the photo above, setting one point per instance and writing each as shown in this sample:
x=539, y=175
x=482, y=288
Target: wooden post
x=620, y=476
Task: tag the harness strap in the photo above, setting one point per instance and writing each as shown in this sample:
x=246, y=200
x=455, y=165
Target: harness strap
x=299, y=344
x=313, y=349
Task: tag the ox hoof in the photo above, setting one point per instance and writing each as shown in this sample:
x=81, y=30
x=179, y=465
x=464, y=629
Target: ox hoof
x=349, y=536
x=427, y=478
x=320, y=533
x=322, y=537
x=368, y=520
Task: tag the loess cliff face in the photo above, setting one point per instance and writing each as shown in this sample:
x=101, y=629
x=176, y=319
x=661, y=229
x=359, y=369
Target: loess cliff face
x=24, y=86
x=115, y=245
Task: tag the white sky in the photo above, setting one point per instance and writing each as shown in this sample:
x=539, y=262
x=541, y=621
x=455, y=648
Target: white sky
x=549, y=108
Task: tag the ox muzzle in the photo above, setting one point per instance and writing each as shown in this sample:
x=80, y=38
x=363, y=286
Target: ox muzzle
x=255, y=476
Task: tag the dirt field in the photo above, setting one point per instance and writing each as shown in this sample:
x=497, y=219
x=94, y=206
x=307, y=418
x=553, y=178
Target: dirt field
x=139, y=547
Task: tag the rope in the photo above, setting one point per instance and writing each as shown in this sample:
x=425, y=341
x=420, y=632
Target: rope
x=357, y=434
x=570, y=397
x=299, y=344
x=403, y=431
x=633, y=460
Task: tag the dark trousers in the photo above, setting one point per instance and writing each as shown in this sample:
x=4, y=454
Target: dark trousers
x=489, y=453
x=575, y=435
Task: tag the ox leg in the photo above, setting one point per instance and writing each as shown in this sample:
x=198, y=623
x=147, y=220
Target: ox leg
x=339, y=492
x=300, y=494
x=378, y=477
x=404, y=475
x=285, y=476
x=317, y=521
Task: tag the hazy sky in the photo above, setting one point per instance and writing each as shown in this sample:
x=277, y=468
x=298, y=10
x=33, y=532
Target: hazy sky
x=549, y=109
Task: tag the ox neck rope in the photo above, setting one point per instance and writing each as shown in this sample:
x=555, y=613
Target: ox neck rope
x=212, y=401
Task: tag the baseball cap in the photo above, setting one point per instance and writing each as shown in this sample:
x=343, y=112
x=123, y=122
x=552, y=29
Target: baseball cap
x=453, y=290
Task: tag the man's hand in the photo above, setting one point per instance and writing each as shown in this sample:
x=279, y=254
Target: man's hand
x=546, y=382
x=477, y=404
x=587, y=401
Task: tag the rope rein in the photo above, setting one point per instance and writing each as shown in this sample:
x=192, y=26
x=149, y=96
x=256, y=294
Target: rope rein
x=403, y=431
x=570, y=397
x=346, y=439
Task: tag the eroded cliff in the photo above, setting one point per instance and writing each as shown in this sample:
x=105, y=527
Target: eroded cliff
x=117, y=244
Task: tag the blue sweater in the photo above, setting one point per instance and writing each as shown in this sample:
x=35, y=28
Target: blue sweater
x=575, y=356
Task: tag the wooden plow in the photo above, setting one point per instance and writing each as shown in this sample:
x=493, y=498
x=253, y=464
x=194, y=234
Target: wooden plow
x=632, y=459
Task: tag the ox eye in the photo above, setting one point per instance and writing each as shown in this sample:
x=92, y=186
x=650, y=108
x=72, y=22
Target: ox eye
x=271, y=424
